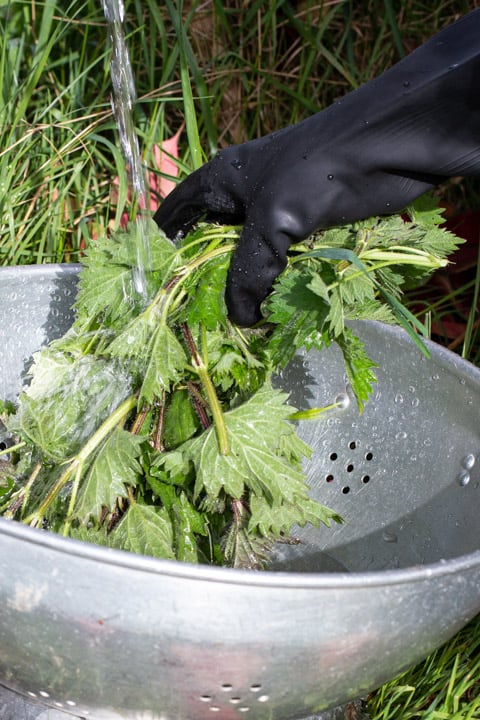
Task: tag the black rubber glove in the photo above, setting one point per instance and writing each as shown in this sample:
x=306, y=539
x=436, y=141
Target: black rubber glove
x=371, y=153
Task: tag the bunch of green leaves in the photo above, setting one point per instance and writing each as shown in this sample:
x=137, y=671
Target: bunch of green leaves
x=153, y=424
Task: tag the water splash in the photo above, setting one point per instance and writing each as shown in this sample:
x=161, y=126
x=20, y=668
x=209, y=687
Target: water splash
x=123, y=101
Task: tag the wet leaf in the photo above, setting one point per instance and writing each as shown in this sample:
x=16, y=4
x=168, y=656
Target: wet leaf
x=115, y=466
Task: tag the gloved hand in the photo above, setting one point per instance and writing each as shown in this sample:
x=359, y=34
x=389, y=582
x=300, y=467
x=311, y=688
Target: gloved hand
x=369, y=154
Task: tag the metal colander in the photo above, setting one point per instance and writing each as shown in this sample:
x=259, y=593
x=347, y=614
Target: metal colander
x=105, y=634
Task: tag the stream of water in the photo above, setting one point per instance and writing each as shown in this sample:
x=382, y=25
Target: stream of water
x=123, y=101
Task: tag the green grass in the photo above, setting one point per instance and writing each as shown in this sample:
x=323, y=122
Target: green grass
x=230, y=72
x=446, y=686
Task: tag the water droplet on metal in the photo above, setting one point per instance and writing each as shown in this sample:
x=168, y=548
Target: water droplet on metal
x=342, y=401
x=330, y=177
x=468, y=461
x=463, y=478
x=401, y=435
x=399, y=398
x=389, y=537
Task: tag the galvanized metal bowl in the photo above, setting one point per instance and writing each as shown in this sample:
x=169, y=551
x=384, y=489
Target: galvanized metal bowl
x=107, y=634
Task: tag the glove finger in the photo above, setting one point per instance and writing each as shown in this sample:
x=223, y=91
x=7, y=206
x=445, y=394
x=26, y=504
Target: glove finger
x=213, y=192
x=256, y=263
x=183, y=207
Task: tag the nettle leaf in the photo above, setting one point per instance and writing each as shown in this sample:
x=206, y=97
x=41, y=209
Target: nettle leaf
x=131, y=342
x=172, y=467
x=108, y=281
x=146, y=530
x=318, y=286
x=106, y=287
x=163, y=255
x=187, y=524
x=298, y=312
x=207, y=304
x=181, y=420
x=276, y=521
x=356, y=286
x=384, y=232
x=358, y=366
x=96, y=536
x=426, y=211
x=370, y=310
x=343, y=237
x=241, y=547
x=336, y=316
x=232, y=362
x=166, y=362
x=115, y=465
x=254, y=430
x=187, y=521
x=67, y=399
x=390, y=280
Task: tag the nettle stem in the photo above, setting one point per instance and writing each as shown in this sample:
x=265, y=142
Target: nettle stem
x=76, y=464
x=12, y=448
x=21, y=498
x=200, y=368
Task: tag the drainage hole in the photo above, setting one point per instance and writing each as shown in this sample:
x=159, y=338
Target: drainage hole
x=369, y=456
x=227, y=687
x=365, y=479
x=333, y=456
x=235, y=700
x=205, y=698
x=352, y=445
x=349, y=468
x=329, y=478
x=255, y=687
x=345, y=490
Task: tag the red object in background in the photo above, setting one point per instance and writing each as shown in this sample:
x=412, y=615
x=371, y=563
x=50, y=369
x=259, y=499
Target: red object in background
x=467, y=226
x=158, y=184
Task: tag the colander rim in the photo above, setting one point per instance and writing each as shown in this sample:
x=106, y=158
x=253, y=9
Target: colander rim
x=231, y=576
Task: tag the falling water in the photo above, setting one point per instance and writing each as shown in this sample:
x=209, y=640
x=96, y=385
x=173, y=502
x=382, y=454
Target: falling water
x=123, y=100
